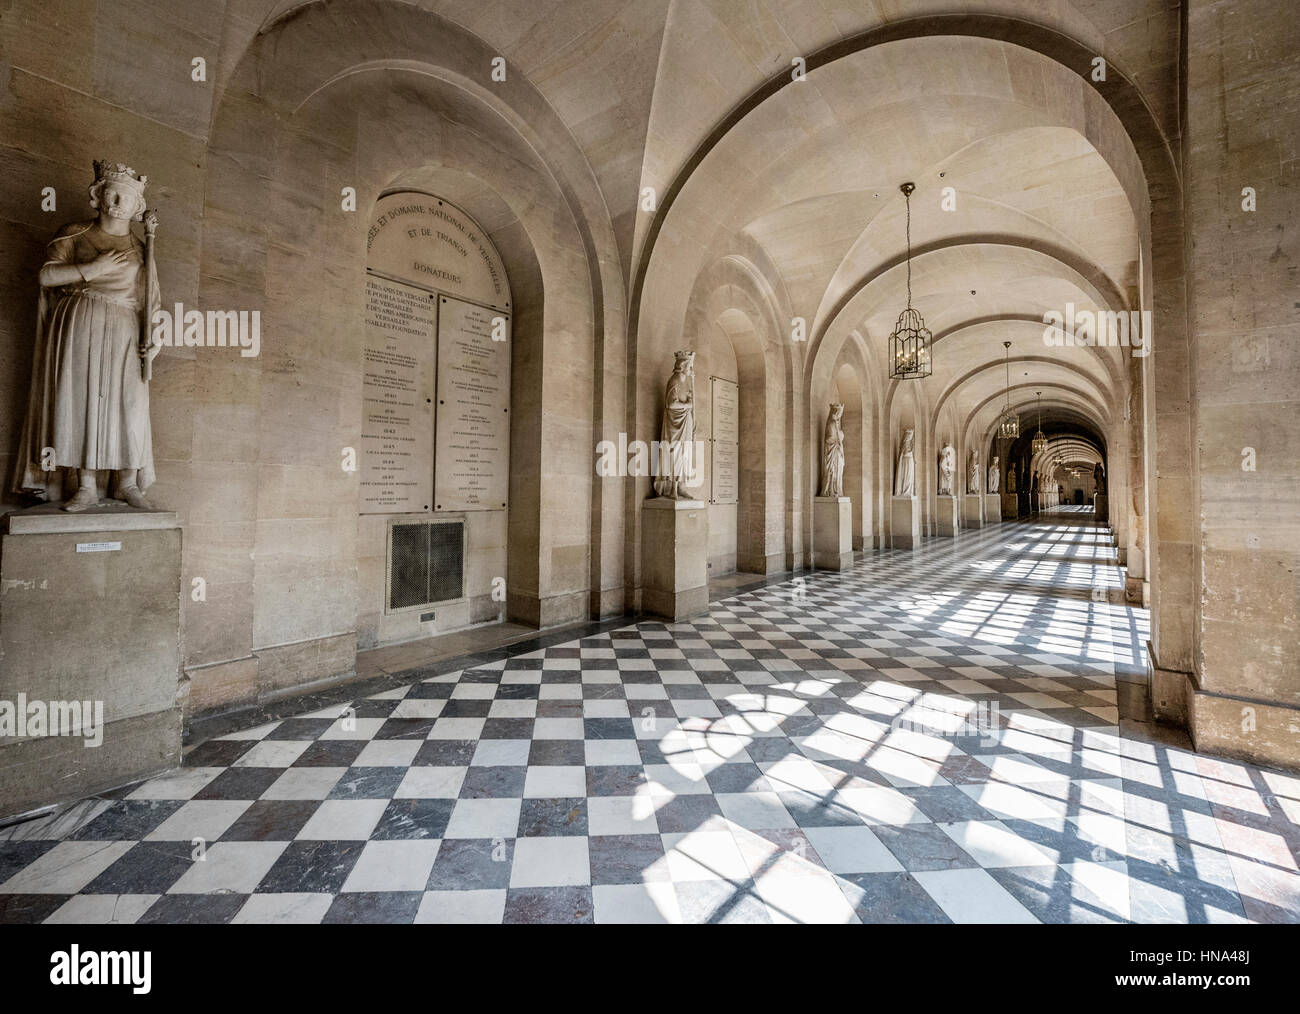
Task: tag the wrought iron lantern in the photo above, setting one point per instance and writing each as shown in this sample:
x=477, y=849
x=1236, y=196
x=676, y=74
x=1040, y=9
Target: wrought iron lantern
x=1040, y=439
x=1008, y=421
x=909, y=345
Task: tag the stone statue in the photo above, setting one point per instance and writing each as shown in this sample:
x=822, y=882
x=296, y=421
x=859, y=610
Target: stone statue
x=677, y=430
x=947, y=468
x=1099, y=478
x=995, y=476
x=973, y=473
x=833, y=453
x=905, y=476
x=89, y=404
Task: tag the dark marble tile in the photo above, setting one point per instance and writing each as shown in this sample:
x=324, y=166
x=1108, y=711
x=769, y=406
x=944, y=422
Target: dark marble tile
x=552, y=752
x=537, y=905
x=508, y=728
x=466, y=707
x=1053, y=896
x=124, y=820
x=404, y=728
x=614, y=780
x=30, y=908
x=686, y=813
x=368, y=783
x=923, y=847
x=218, y=753
x=409, y=819
x=396, y=907
x=482, y=782
x=471, y=864
x=300, y=728
x=239, y=783
x=626, y=858
x=812, y=810
x=330, y=753
x=890, y=898
x=947, y=804
x=445, y=753
x=546, y=817
x=272, y=820
x=147, y=868
x=311, y=867
x=194, y=908
x=737, y=778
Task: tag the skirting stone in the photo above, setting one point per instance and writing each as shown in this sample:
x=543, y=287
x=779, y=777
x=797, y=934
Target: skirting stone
x=674, y=558
x=949, y=516
x=904, y=522
x=832, y=533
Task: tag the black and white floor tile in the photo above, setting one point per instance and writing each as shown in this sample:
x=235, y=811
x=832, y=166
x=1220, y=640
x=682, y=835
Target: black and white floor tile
x=927, y=737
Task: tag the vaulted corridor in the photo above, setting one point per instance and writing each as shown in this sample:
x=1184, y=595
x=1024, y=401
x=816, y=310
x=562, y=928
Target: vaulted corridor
x=956, y=733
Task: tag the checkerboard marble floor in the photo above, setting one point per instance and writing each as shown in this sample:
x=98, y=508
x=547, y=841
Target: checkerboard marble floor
x=927, y=737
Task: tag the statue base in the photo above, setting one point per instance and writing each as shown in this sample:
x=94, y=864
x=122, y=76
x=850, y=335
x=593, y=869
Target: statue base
x=1101, y=508
x=675, y=558
x=992, y=509
x=832, y=533
x=89, y=651
x=904, y=522
x=1010, y=507
x=972, y=511
x=949, y=517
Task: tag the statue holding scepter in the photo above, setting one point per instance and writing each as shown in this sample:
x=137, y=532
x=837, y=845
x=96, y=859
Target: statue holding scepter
x=89, y=405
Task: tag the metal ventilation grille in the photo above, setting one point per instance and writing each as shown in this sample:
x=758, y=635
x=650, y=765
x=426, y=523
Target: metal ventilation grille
x=427, y=563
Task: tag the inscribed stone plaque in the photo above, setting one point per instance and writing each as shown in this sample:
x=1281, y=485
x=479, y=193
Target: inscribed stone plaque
x=396, y=466
x=431, y=242
x=724, y=464
x=473, y=430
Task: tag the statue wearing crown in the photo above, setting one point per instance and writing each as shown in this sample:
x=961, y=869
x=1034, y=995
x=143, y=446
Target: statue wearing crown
x=677, y=431
x=89, y=406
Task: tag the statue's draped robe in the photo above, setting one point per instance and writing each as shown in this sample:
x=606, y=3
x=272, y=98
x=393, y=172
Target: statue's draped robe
x=676, y=437
x=995, y=479
x=89, y=402
x=973, y=475
x=905, y=479
x=947, y=468
x=833, y=459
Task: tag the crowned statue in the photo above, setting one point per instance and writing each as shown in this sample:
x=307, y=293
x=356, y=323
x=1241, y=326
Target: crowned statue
x=833, y=453
x=677, y=431
x=88, y=411
x=973, y=473
x=995, y=475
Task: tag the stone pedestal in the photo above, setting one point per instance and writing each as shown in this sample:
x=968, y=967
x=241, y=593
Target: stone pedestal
x=949, y=516
x=1010, y=507
x=904, y=522
x=675, y=556
x=1101, y=508
x=973, y=510
x=992, y=509
x=90, y=637
x=832, y=532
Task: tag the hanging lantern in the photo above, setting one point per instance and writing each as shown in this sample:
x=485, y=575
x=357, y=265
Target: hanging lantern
x=1008, y=421
x=1040, y=439
x=909, y=345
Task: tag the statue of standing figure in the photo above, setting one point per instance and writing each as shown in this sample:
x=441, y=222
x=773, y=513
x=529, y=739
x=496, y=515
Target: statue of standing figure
x=676, y=464
x=905, y=476
x=947, y=469
x=995, y=476
x=833, y=453
x=973, y=473
x=1099, y=478
x=88, y=410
